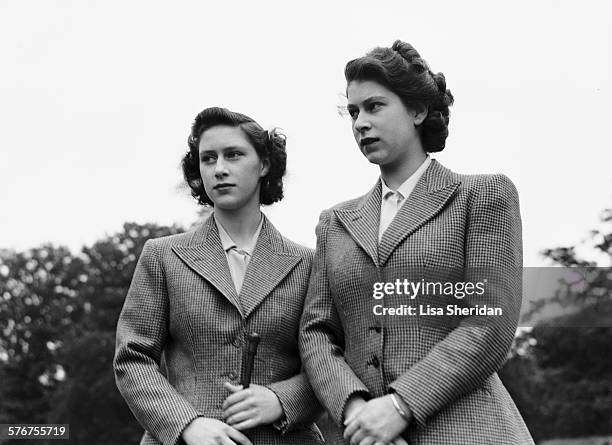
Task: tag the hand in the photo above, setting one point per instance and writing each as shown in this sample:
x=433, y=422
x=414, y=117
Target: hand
x=205, y=431
x=354, y=404
x=377, y=421
x=251, y=407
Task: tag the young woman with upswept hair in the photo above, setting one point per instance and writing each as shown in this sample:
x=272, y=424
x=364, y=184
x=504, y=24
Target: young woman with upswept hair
x=386, y=373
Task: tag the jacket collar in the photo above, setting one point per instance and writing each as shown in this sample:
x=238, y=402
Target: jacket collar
x=269, y=265
x=430, y=195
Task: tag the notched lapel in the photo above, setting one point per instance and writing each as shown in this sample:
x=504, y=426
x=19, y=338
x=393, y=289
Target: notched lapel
x=362, y=222
x=269, y=265
x=206, y=257
x=430, y=195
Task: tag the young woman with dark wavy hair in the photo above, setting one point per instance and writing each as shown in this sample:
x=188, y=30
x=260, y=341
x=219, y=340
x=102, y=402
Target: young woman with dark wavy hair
x=393, y=365
x=195, y=296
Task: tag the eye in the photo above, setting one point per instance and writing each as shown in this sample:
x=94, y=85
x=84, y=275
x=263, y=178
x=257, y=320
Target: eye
x=207, y=158
x=233, y=154
x=374, y=106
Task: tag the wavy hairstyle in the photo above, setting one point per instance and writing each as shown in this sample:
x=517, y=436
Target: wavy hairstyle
x=401, y=69
x=269, y=145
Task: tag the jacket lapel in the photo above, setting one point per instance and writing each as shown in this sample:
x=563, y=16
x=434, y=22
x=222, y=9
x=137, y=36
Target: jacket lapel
x=429, y=196
x=269, y=265
x=205, y=256
x=362, y=222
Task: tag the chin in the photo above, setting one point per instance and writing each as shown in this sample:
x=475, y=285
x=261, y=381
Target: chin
x=375, y=158
x=228, y=204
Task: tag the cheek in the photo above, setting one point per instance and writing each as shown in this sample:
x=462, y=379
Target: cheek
x=250, y=174
x=205, y=175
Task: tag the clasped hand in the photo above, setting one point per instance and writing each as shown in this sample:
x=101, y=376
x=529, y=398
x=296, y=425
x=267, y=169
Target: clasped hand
x=251, y=407
x=376, y=422
x=207, y=431
x=243, y=409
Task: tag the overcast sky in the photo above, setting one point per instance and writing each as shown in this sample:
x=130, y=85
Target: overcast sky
x=97, y=99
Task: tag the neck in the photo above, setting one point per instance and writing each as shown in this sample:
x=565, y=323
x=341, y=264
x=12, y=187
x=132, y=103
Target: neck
x=240, y=224
x=396, y=173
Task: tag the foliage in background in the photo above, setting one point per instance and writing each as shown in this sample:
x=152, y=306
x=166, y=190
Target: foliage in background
x=560, y=373
x=58, y=314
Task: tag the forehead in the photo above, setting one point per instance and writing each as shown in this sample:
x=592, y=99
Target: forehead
x=223, y=136
x=359, y=90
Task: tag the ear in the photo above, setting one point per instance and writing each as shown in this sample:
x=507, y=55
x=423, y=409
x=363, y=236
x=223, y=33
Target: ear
x=419, y=116
x=265, y=167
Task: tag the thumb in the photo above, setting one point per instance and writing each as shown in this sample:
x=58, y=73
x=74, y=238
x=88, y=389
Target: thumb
x=232, y=388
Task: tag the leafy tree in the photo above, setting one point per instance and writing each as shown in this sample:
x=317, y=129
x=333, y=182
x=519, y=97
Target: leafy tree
x=38, y=307
x=58, y=315
x=560, y=373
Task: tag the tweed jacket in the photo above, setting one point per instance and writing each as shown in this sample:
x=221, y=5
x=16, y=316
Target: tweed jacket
x=180, y=334
x=452, y=228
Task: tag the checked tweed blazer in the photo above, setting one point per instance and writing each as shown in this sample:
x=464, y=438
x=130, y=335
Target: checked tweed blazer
x=452, y=228
x=182, y=306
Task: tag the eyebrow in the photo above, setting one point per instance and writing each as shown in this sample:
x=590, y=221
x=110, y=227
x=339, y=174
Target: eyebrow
x=367, y=100
x=224, y=149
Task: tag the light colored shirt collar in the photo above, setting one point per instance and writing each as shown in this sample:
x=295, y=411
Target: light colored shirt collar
x=228, y=243
x=409, y=184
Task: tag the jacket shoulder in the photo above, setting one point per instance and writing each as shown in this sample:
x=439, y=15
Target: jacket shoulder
x=294, y=248
x=495, y=185
x=347, y=205
x=167, y=242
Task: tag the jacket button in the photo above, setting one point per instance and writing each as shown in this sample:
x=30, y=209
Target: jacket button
x=374, y=362
x=232, y=375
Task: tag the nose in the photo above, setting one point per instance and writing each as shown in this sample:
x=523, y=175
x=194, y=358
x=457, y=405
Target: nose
x=220, y=168
x=361, y=123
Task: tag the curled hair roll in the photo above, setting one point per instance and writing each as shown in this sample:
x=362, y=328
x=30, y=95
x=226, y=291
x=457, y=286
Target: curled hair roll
x=411, y=55
x=276, y=146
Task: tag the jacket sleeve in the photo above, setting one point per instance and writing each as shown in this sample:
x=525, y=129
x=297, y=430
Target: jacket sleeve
x=142, y=332
x=322, y=338
x=299, y=403
x=478, y=346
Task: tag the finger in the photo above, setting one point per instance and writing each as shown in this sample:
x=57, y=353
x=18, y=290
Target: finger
x=237, y=408
x=238, y=436
x=399, y=440
x=227, y=441
x=352, y=417
x=351, y=424
x=237, y=397
x=369, y=440
x=232, y=388
x=246, y=425
x=239, y=417
x=357, y=437
x=351, y=428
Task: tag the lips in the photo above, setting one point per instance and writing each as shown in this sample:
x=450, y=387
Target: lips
x=223, y=186
x=364, y=142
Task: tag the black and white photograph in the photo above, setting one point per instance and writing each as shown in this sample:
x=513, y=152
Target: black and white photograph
x=277, y=223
